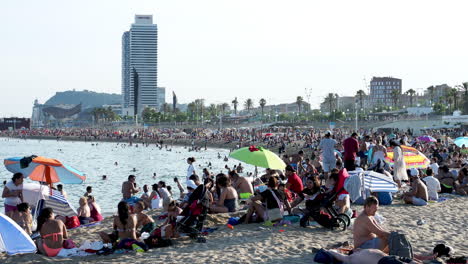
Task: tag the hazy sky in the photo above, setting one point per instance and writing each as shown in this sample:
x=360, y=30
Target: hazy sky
x=219, y=49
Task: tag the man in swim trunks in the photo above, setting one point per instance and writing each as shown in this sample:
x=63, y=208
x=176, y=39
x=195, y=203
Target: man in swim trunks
x=418, y=194
x=367, y=233
x=243, y=187
x=129, y=187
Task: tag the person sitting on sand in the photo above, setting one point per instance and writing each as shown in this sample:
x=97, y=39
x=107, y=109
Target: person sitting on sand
x=309, y=193
x=84, y=212
x=95, y=209
x=52, y=232
x=145, y=196
x=23, y=217
x=168, y=228
x=273, y=200
x=129, y=187
x=155, y=198
x=165, y=195
x=367, y=233
x=294, y=182
x=144, y=221
x=418, y=194
x=462, y=182
x=227, y=201
x=433, y=185
x=243, y=186
x=124, y=225
x=447, y=181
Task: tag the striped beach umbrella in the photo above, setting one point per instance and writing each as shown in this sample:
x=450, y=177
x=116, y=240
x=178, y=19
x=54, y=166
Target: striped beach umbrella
x=43, y=196
x=44, y=170
x=413, y=158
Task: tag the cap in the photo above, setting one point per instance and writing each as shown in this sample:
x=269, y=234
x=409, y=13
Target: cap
x=191, y=184
x=328, y=132
x=414, y=172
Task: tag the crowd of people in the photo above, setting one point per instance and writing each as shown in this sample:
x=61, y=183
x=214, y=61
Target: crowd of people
x=317, y=170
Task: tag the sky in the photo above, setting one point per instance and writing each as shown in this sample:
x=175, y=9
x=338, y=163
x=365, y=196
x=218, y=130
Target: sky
x=221, y=49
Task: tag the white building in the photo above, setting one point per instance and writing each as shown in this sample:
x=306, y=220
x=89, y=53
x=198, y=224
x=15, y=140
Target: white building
x=139, y=57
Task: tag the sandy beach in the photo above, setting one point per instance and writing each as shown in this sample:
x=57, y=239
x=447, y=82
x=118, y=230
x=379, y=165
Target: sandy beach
x=255, y=243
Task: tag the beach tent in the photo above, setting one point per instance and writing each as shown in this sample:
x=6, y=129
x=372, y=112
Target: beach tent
x=13, y=239
x=369, y=182
x=34, y=193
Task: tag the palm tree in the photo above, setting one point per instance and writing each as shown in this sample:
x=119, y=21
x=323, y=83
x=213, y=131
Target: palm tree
x=235, y=103
x=360, y=94
x=212, y=110
x=431, y=90
x=262, y=104
x=248, y=104
x=395, y=97
x=411, y=94
x=330, y=100
x=299, y=102
x=224, y=106
x=454, y=93
x=465, y=98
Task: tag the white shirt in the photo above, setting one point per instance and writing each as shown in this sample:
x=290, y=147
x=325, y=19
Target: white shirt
x=13, y=201
x=435, y=168
x=190, y=171
x=164, y=193
x=433, y=186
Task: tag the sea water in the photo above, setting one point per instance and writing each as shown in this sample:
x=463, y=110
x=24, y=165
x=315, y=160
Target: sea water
x=97, y=159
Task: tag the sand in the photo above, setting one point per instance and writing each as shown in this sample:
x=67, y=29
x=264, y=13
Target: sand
x=255, y=243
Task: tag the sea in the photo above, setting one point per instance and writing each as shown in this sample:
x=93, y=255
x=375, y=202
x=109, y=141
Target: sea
x=96, y=159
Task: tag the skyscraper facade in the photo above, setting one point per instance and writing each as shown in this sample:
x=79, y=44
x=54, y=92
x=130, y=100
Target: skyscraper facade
x=139, y=58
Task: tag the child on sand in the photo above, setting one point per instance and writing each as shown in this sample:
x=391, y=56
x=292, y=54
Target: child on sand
x=84, y=212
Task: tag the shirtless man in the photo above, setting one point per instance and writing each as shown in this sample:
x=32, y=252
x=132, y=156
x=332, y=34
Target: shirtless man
x=243, y=187
x=367, y=233
x=418, y=194
x=144, y=221
x=129, y=187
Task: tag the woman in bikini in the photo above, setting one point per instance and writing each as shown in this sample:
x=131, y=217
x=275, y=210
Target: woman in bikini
x=227, y=201
x=124, y=225
x=447, y=181
x=52, y=232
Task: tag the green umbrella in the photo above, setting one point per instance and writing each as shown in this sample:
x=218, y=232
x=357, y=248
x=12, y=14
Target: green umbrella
x=260, y=157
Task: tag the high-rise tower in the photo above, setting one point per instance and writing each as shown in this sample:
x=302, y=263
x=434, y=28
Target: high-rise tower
x=139, y=55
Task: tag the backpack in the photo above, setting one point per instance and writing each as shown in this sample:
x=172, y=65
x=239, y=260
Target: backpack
x=399, y=245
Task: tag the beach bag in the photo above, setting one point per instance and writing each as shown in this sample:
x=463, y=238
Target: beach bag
x=275, y=214
x=72, y=222
x=68, y=244
x=399, y=245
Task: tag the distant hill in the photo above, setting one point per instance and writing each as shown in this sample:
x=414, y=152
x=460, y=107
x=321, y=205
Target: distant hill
x=88, y=99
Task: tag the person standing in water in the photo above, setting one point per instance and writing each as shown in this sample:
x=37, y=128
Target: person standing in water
x=190, y=169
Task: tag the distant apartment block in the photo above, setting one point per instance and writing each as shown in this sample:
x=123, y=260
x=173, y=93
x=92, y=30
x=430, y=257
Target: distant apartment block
x=139, y=58
x=382, y=91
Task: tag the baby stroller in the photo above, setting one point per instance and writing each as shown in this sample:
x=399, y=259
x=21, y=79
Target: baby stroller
x=323, y=211
x=195, y=214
